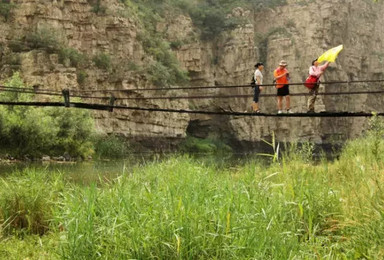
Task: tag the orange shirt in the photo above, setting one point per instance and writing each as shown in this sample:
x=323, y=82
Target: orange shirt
x=283, y=80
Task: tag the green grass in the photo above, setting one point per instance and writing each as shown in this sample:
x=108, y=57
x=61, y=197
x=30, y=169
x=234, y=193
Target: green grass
x=182, y=208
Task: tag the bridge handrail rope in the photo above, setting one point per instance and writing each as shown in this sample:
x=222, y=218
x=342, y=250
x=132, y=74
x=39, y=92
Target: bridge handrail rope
x=109, y=107
x=41, y=91
x=185, y=111
x=30, y=91
x=218, y=87
x=229, y=96
x=34, y=89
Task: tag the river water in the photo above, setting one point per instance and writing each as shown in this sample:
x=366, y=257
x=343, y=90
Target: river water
x=90, y=171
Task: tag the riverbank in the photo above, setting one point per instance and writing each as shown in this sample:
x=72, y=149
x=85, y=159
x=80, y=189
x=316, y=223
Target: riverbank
x=184, y=208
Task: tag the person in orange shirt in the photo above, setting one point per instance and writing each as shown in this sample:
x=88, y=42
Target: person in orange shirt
x=281, y=76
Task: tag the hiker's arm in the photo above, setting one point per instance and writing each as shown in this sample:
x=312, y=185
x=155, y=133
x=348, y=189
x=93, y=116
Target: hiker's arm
x=323, y=67
x=280, y=76
x=258, y=80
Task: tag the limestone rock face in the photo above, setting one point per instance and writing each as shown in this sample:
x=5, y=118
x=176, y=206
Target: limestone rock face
x=78, y=27
x=297, y=32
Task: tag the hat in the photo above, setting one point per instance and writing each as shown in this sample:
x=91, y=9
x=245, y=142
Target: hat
x=283, y=63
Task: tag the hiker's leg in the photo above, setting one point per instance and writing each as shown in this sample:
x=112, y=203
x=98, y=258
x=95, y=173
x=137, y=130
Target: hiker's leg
x=288, y=102
x=312, y=98
x=280, y=103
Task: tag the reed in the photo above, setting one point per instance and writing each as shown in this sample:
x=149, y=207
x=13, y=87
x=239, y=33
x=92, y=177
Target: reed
x=183, y=208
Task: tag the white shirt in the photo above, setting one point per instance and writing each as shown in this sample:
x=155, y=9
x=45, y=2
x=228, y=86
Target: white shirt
x=316, y=71
x=260, y=75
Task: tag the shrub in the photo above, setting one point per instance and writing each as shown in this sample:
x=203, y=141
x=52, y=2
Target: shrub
x=212, y=20
x=81, y=77
x=102, y=61
x=43, y=38
x=156, y=46
x=112, y=147
x=74, y=134
x=159, y=74
x=6, y=9
x=17, y=45
x=72, y=56
x=176, y=44
x=97, y=7
x=165, y=70
x=11, y=59
x=36, y=131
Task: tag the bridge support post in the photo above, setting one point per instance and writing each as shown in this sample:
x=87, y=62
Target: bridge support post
x=66, y=97
x=112, y=100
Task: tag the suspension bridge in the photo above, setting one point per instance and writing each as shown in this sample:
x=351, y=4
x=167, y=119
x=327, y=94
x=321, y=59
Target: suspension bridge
x=107, y=100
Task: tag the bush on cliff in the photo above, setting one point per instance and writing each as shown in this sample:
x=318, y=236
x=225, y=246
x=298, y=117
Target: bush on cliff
x=6, y=9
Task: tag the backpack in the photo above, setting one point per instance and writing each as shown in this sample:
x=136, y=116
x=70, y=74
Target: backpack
x=253, y=82
x=311, y=81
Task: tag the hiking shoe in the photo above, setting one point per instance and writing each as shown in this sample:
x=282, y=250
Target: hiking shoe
x=280, y=111
x=311, y=111
x=289, y=111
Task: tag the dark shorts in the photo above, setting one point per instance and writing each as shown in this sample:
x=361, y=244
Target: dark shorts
x=284, y=91
x=256, y=94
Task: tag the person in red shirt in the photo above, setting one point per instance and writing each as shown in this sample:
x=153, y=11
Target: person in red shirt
x=281, y=75
x=316, y=71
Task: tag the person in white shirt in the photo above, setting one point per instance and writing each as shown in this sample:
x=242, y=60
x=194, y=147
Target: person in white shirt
x=316, y=71
x=257, y=81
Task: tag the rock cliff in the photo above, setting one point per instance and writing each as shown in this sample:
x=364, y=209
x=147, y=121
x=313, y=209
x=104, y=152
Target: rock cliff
x=296, y=32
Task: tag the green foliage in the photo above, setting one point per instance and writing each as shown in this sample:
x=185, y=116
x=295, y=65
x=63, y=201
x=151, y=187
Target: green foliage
x=102, y=61
x=176, y=44
x=198, y=145
x=165, y=70
x=6, y=9
x=17, y=45
x=112, y=147
x=44, y=38
x=32, y=131
x=182, y=208
x=26, y=202
x=212, y=19
x=373, y=148
x=75, y=130
x=72, y=56
x=81, y=76
x=159, y=74
x=11, y=59
x=97, y=7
